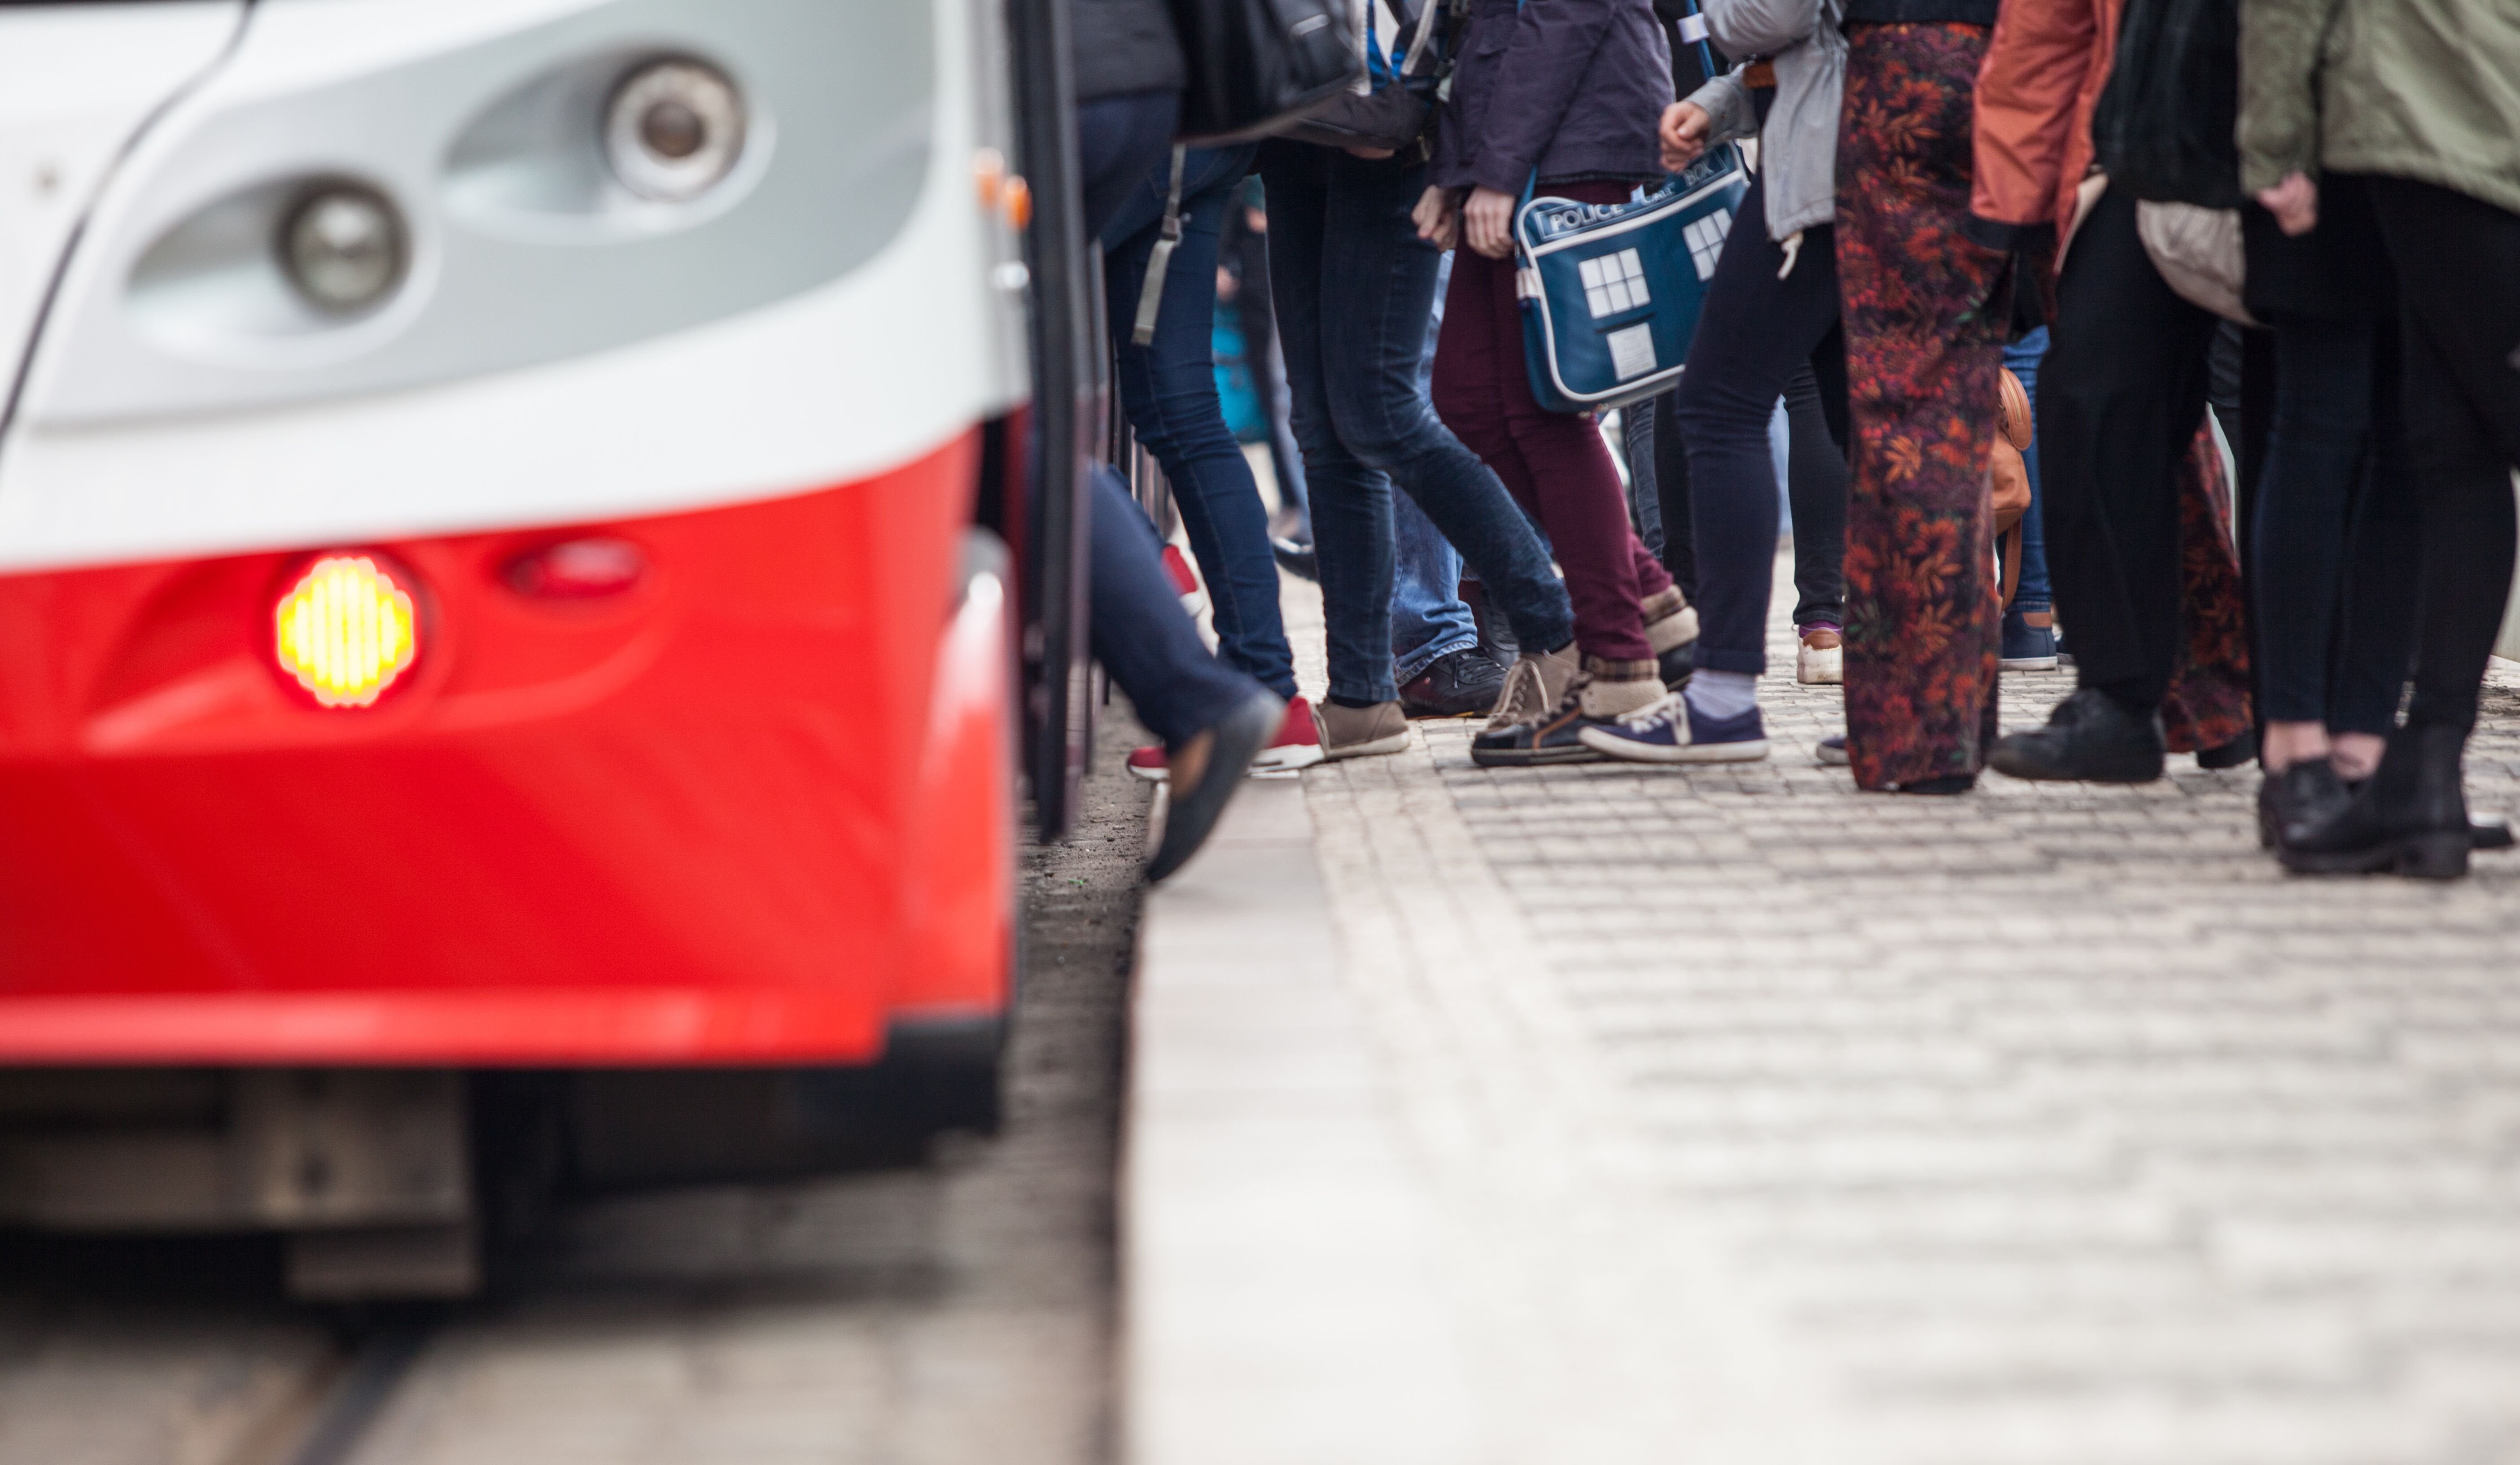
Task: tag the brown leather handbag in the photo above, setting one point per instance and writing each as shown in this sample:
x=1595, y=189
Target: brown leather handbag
x=2009, y=491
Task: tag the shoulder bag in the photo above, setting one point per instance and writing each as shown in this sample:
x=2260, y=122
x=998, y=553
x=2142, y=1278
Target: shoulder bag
x=1256, y=66
x=1397, y=113
x=1610, y=292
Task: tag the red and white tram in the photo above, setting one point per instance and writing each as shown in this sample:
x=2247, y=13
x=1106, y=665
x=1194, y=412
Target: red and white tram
x=491, y=581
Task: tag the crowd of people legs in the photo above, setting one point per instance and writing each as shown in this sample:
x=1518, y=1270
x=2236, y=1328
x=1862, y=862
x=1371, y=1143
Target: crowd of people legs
x=1929, y=212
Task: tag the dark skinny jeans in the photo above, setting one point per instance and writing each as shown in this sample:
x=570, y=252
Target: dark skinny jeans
x=1354, y=287
x=2337, y=530
x=1135, y=620
x=1168, y=388
x=1755, y=336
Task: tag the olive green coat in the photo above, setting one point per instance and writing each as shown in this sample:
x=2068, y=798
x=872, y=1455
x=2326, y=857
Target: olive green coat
x=2423, y=89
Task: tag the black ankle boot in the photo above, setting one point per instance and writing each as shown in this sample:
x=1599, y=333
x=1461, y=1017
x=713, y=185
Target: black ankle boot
x=2092, y=737
x=2307, y=793
x=2411, y=818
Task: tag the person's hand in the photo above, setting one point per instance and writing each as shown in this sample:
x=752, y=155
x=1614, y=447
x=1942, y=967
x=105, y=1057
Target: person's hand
x=1228, y=284
x=1683, y=130
x=1487, y=222
x=2294, y=202
x=1437, y=217
x=1370, y=155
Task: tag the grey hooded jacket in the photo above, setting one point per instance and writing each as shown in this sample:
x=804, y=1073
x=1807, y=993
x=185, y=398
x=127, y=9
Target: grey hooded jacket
x=1806, y=40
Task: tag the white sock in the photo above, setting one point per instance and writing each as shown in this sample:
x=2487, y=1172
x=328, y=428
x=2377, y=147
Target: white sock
x=1721, y=694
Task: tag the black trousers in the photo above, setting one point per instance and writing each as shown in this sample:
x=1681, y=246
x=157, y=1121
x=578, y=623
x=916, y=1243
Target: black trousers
x=2333, y=556
x=2120, y=398
x=1758, y=338
x=2458, y=280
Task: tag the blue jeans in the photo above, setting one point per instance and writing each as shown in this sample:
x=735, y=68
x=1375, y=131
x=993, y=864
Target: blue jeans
x=2022, y=359
x=1354, y=288
x=1135, y=620
x=1168, y=388
x=1429, y=620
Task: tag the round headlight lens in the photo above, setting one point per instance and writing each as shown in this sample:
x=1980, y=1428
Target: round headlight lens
x=343, y=248
x=674, y=130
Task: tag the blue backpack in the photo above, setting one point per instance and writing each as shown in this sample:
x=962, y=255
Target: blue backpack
x=1610, y=292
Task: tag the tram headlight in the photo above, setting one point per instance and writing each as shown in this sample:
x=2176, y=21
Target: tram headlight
x=673, y=130
x=346, y=630
x=343, y=248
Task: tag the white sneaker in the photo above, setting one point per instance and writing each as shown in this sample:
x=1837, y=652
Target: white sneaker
x=1820, y=661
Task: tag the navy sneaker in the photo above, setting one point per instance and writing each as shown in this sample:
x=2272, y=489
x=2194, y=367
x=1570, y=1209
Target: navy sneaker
x=1671, y=731
x=2027, y=647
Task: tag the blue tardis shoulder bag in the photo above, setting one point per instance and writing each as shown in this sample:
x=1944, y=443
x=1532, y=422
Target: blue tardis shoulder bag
x=1610, y=292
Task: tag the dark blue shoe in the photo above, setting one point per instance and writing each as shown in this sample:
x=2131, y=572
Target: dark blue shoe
x=1669, y=731
x=2027, y=647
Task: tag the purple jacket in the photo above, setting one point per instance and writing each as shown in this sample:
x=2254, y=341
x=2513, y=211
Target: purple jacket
x=1573, y=86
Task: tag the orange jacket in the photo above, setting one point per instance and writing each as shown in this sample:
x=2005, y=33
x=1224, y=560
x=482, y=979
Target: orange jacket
x=2036, y=93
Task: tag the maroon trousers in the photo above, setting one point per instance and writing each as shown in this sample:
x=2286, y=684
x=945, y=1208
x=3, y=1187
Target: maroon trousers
x=1554, y=463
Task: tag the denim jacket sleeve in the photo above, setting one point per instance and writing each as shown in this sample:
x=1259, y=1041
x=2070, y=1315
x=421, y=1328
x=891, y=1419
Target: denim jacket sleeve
x=1554, y=41
x=1760, y=28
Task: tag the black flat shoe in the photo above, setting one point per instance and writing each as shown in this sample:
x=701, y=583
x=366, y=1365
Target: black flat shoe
x=2486, y=831
x=2091, y=738
x=1942, y=787
x=1298, y=559
x=1191, y=814
x=2410, y=818
x=2239, y=750
x=1463, y=684
x=2307, y=793
x=1677, y=665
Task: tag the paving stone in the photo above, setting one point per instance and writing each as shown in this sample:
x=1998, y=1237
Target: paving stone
x=2052, y=1123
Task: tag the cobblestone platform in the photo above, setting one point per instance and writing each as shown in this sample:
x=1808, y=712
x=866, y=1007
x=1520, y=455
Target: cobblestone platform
x=1770, y=1121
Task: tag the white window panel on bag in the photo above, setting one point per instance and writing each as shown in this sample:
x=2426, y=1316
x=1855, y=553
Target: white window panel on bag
x=1613, y=283
x=1706, y=241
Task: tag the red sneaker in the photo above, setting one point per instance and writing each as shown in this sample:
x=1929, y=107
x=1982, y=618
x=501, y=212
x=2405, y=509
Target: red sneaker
x=1297, y=745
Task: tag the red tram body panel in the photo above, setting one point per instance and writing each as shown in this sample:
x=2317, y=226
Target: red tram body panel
x=747, y=808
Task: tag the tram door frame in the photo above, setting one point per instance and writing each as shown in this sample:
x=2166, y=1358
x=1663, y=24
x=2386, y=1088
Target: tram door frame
x=1066, y=417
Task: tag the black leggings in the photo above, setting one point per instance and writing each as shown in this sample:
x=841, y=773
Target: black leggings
x=1757, y=337
x=2459, y=276
x=2335, y=537
x=1815, y=486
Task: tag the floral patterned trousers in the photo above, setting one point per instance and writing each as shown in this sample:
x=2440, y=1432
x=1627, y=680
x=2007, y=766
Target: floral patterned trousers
x=1925, y=313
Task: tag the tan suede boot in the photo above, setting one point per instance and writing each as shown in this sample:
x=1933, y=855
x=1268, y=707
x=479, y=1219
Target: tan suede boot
x=1361, y=731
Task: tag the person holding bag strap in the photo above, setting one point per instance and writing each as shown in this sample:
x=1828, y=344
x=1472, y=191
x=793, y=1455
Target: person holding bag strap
x=1569, y=89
